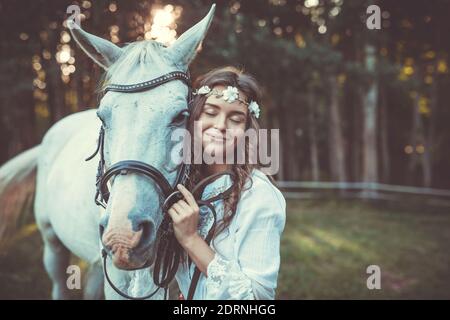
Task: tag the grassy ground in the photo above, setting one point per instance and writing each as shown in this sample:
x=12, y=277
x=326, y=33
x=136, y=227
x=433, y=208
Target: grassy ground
x=326, y=248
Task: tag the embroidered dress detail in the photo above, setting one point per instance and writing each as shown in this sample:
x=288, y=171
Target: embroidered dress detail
x=205, y=223
x=227, y=273
x=206, y=219
x=142, y=284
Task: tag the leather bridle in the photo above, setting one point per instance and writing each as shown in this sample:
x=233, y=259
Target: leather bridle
x=169, y=252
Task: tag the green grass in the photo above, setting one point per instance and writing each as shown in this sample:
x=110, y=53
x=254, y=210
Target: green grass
x=325, y=250
x=327, y=246
x=22, y=274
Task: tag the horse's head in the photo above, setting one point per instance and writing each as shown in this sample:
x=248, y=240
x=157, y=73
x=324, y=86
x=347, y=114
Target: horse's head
x=138, y=126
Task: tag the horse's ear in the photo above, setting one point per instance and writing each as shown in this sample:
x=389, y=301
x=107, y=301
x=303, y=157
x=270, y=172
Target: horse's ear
x=184, y=49
x=102, y=51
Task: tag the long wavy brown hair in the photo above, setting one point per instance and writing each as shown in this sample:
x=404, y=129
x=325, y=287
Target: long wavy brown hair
x=247, y=84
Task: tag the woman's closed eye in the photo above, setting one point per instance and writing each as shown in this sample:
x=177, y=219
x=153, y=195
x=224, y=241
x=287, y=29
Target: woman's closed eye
x=237, y=119
x=210, y=112
x=234, y=118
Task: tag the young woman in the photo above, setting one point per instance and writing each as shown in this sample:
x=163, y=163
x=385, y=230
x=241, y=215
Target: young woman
x=243, y=260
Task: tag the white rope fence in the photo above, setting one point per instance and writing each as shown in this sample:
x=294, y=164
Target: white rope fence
x=361, y=190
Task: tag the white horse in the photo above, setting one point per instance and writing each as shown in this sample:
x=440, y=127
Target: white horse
x=138, y=126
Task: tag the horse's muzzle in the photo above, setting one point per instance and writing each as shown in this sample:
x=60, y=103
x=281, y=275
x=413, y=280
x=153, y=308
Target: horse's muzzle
x=129, y=250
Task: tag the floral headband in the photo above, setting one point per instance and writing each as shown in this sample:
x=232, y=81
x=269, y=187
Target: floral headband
x=230, y=94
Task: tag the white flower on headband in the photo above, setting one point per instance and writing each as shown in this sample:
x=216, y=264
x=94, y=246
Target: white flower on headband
x=253, y=107
x=230, y=94
x=204, y=90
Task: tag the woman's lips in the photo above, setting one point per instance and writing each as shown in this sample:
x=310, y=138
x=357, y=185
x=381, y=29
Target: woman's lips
x=215, y=136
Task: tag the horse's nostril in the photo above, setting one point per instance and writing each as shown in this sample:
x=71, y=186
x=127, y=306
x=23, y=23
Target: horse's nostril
x=147, y=233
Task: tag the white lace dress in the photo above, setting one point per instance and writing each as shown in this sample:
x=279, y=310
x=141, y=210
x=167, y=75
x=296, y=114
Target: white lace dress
x=247, y=253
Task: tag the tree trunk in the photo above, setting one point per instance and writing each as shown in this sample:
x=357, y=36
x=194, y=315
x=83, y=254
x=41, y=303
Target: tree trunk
x=314, y=150
x=431, y=136
x=55, y=88
x=336, y=139
x=356, y=136
x=415, y=140
x=370, y=163
x=290, y=155
x=384, y=140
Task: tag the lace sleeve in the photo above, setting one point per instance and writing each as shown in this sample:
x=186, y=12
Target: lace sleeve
x=226, y=281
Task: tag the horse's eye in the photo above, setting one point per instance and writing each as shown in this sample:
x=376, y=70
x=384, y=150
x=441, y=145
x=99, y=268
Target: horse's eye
x=181, y=117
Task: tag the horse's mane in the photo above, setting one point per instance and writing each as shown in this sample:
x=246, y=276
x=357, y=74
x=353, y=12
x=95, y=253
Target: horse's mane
x=139, y=54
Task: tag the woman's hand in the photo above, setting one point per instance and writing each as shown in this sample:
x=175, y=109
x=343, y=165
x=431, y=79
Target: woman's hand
x=185, y=215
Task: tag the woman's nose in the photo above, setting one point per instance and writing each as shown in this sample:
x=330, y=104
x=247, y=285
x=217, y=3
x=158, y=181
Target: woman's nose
x=220, y=123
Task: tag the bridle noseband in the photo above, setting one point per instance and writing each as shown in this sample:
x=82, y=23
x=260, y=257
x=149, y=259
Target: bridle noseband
x=169, y=252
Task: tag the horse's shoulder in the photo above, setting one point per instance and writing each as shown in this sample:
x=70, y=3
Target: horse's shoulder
x=63, y=131
x=69, y=124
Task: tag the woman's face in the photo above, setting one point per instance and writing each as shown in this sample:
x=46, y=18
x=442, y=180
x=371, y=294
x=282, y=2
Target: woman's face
x=222, y=123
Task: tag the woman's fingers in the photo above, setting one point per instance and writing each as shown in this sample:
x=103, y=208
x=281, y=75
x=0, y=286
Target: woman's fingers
x=188, y=196
x=187, y=208
x=174, y=215
x=183, y=208
x=178, y=208
x=184, y=214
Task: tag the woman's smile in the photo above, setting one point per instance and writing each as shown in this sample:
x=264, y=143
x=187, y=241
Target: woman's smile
x=215, y=135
